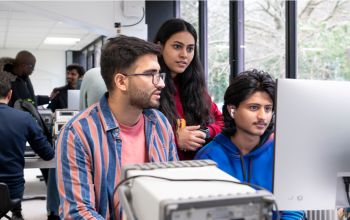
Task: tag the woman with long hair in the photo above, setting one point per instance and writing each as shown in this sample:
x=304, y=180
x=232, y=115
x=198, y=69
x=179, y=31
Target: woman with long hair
x=185, y=100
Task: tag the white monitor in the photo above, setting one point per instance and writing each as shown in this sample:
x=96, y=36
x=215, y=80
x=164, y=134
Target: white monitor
x=312, y=142
x=73, y=99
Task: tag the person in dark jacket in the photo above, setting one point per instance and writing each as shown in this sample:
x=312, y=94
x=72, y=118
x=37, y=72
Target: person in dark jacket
x=17, y=128
x=59, y=96
x=22, y=67
x=245, y=148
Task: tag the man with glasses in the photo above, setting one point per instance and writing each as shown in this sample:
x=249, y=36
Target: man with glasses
x=122, y=128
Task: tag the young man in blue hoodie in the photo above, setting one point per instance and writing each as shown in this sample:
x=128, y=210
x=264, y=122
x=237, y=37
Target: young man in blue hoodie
x=245, y=148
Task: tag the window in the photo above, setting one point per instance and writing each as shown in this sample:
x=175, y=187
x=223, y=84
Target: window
x=265, y=36
x=218, y=43
x=323, y=40
x=218, y=49
x=189, y=12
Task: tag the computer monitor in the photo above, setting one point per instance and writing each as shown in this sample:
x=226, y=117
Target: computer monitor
x=73, y=99
x=312, y=142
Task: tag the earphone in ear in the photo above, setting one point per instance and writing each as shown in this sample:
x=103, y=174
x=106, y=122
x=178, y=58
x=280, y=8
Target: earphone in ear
x=232, y=112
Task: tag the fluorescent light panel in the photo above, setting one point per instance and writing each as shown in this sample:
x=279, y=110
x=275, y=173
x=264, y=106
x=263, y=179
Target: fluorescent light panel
x=61, y=40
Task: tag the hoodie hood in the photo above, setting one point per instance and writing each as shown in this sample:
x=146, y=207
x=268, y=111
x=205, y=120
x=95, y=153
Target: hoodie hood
x=246, y=161
x=231, y=148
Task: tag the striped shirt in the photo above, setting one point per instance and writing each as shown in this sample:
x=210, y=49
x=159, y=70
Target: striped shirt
x=89, y=159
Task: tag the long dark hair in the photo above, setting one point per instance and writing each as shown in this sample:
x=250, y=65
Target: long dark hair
x=193, y=93
x=242, y=86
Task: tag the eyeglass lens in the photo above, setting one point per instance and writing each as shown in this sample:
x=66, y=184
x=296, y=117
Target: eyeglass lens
x=157, y=76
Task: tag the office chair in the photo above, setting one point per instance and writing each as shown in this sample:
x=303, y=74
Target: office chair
x=6, y=203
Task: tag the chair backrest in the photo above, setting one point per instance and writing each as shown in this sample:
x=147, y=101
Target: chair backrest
x=5, y=201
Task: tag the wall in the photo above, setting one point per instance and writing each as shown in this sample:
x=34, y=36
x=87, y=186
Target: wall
x=94, y=16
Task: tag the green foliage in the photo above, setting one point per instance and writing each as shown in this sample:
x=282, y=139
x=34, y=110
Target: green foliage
x=325, y=55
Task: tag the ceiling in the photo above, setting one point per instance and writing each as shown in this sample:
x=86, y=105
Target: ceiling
x=22, y=27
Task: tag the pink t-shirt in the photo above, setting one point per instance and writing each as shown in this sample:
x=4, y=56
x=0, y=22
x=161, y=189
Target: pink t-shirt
x=133, y=143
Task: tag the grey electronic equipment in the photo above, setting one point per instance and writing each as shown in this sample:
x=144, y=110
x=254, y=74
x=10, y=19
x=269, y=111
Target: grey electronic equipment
x=312, y=142
x=61, y=117
x=147, y=198
x=47, y=116
x=28, y=152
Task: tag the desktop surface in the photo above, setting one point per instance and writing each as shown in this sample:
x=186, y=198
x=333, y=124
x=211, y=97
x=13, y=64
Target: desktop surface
x=312, y=142
x=37, y=162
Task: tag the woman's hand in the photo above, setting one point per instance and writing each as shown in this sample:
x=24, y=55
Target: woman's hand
x=190, y=138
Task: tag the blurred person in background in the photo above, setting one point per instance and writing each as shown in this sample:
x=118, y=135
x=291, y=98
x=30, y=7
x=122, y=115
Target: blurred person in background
x=59, y=96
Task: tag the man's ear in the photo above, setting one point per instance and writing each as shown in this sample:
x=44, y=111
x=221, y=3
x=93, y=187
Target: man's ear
x=9, y=95
x=120, y=81
x=231, y=110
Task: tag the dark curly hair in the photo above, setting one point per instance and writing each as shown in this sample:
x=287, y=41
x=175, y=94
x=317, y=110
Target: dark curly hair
x=77, y=67
x=242, y=86
x=192, y=88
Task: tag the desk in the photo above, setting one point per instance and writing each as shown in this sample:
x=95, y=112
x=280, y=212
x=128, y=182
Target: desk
x=37, y=162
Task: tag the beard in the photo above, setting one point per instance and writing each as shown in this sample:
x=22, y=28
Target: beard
x=142, y=100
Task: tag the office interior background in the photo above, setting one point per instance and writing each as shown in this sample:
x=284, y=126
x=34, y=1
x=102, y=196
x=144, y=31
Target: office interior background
x=293, y=39
x=305, y=39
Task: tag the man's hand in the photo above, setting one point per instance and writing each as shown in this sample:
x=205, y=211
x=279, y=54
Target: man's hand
x=190, y=138
x=54, y=93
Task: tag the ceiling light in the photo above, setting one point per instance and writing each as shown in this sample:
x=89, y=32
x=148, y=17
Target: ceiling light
x=61, y=40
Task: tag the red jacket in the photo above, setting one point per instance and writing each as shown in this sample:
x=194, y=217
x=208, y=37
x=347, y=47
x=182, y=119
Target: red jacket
x=214, y=128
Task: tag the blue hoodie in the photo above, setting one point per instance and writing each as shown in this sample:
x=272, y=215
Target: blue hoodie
x=255, y=167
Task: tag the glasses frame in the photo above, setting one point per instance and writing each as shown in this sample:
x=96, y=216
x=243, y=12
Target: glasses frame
x=161, y=76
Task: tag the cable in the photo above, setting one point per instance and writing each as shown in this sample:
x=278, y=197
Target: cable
x=124, y=181
x=130, y=25
x=346, y=180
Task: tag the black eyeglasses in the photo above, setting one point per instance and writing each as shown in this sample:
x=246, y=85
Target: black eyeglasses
x=155, y=76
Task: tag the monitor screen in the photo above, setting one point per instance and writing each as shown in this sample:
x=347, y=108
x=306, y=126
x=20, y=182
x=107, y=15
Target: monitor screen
x=312, y=142
x=73, y=99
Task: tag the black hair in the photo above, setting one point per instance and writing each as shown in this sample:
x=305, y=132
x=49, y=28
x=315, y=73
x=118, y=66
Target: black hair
x=120, y=53
x=5, y=85
x=192, y=88
x=243, y=86
x=24, y=57
x=77, y=67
